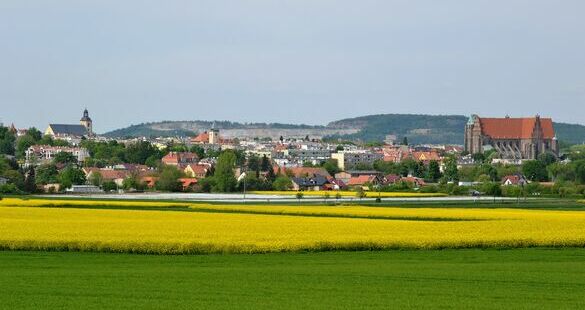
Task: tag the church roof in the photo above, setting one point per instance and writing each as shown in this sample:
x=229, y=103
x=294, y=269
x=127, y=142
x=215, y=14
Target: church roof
x=201, y=138
x=71, y=130
x=516, y=128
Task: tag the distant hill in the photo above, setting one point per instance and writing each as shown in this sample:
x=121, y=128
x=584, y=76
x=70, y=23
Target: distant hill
x=419, y=129
x=432, y=129
x=228, y=129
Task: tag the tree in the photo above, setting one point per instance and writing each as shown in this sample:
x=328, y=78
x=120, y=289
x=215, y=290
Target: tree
x=535, y=170
x=451, y=172
x=169, y=179
x=152, y=161
x=434, y=171
x=547, y=158
x=579, y=171
x=71, y=176
x=30, y=185
x=359, y=193
x=22, y=144
x=34, y=133
x=225, y=180
x=64, y=158
x=492, y=189
x=478, y=157
x=282, y=183
x=96, y=178
x=331, y=166
x=109, y=186
x=265, y=164
x=299, y=196
x=270, y=176
x=198, y=150
x=253, y=163
x=7, y=139
x=139, y=152
x=47, y=174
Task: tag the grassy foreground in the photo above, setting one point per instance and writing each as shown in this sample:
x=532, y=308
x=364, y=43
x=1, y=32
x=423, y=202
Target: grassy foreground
x=495, y=279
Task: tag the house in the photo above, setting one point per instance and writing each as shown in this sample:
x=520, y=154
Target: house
x=315, y=183
x=188, y=183
x=417, y=182
x=180, y=158
x=116, y=176
x=150, y=182
x=196, y=170
x=392, y=179
x=426, y=157
x=515, y=179
x=345, y=176
x=3, y=181
x=363, y=180
x=335, y=184
x=300, y=172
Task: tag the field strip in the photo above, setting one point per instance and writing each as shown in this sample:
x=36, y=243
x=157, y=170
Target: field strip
x=337, y=211
x=381, y=213
x=170, y=232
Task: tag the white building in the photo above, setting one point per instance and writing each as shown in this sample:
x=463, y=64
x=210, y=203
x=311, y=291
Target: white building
x=45, y=153
x=348, y=160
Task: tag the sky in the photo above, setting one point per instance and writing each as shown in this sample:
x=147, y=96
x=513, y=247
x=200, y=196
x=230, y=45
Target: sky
x=297, y=61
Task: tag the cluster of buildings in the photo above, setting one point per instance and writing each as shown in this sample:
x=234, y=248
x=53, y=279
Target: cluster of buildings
x=514, y=139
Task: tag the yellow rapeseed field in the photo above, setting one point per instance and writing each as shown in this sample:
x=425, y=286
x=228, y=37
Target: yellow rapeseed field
x=288, y=228
x=352, y=194
x=40, y=202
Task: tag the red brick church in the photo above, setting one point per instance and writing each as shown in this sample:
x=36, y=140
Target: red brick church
x=512, y=138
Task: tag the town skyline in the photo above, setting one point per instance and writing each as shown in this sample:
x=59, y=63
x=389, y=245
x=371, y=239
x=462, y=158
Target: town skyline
x=64, y=120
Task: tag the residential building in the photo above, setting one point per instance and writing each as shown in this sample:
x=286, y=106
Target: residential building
x=301, y=172
x=364, y=180
x=515, y=179
x=348, y=160
x=314, y=183
x=45, y=153
x=180, y=158
x=196, y=170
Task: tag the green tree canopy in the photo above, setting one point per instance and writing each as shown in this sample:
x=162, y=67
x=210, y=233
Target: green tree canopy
x=225, y=180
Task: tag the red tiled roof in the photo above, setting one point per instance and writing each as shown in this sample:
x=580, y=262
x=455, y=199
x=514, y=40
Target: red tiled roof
x=310, y=171
x=361, y=180
x=174, y=158
x=413, y=180
x=201, y=138
x=515, y=128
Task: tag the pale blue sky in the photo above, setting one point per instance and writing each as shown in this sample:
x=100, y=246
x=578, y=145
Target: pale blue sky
x=296, y=61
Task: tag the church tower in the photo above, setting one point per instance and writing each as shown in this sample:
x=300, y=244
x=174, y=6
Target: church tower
x=87, y=123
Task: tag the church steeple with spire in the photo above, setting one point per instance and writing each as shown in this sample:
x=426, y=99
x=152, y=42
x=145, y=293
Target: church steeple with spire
x=86, y=122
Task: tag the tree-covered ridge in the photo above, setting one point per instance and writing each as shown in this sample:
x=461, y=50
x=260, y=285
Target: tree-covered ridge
x=436, y=129
x=189, y=128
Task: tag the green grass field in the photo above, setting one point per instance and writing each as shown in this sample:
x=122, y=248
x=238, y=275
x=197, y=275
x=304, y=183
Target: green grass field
x=520, y=278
